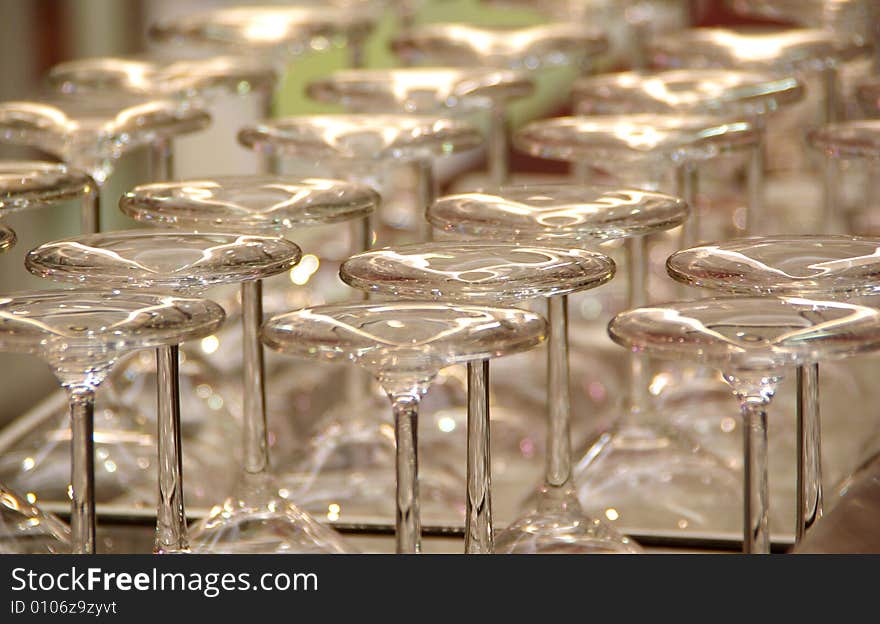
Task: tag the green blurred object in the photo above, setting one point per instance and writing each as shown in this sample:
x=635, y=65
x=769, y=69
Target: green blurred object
x=552, y=85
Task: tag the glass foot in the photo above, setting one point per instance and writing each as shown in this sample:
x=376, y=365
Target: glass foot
x=558, y=525
x=652, y=476
x=348, y=473
x=262, y=522
x=26, y=530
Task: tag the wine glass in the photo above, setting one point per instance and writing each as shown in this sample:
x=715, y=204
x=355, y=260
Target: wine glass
x=750, y=96
x=433, y=90
x=847, y=17
x=189, y=81
x=358, y=147
x=468, y=273
x=822, y=267
x=404, y=345
x=526, y=50
x=81, y=334
x=857, y=140
x=530, y=48
x=277, y=33
x=643, y=148
x=638, y=450
x=282, y=205
x=29, y=184
x=24, y=528
x=92, y=132
x=628, y=24
x=782, y=51
x=751, y=340
x=164, y=262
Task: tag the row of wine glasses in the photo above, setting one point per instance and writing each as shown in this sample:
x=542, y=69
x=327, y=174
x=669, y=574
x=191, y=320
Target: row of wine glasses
x=451, y=279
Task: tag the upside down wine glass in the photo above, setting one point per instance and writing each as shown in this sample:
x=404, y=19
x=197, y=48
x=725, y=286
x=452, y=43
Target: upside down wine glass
x=823, y=267
x=733, y=94
x=468, y=273
x=524, y=50
x=28, y=184
x=24, y=528
x=751, y=340
x=168, y=261
x=638, y=451
x=187, y=82
x=857, y=140
x=280, y=205
x=81, y=334
x=357, y=147
x=91, y=133
x=404, y=345
x=276, y=33
x=433, y=90
x=784, y=51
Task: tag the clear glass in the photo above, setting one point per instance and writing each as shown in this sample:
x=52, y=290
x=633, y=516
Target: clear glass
x=851, y=17
x=774, y=50
x=81, y=334
x=705, y=91
x=433, y=90
x=820, y=266
x=843, y=140
x=567, y=213
x=256, y=517
x=156, y=76
x=471, y=272
x=90, y=132
x=530, y=48
x=404, y=345
x=7, y=238
x=425, y=90
x=826, y=267
x=277, y=204
x=603, y=141
x=474, y=272
x=361, y=137
x=751, y=339
x=24, y=528
x=279, y=33
x=249, y=204
x=616, y=464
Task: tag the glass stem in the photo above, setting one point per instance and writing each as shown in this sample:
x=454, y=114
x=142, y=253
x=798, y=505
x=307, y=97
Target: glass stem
x=757, y=164
x=161, y=160
x=90, y=215
x=639, y=52
x=426, y=189
x=558, y=397
x=686, y=182
x=637, y=297
x=872, y=174
x=82, y=469
x=809, y=458
x=831, y=95
x=358, y=384
x=171, y=534
x=498, y=154
x=830, y=194
x=408, y=522
x=756, y=534
x=357, y=52
x=256, y=442
x=478, y=537
x=830, y=86
x=269, y=162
